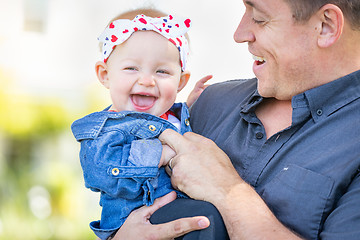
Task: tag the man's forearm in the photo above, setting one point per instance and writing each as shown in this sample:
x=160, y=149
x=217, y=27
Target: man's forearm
x=247, y=216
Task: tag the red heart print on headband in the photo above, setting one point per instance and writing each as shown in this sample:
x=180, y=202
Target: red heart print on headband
x=187, y=23
x=142, y=20
x=114, y=38
x=171, y=27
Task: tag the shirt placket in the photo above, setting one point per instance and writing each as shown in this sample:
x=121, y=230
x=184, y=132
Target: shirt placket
x=263, y=150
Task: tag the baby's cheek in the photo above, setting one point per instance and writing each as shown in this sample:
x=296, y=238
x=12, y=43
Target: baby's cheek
x=170, y=92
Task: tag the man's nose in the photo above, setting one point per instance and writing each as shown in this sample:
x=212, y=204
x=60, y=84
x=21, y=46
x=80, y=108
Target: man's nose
x=244, y=32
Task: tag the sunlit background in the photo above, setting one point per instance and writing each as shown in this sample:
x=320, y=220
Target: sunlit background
x=48, y=49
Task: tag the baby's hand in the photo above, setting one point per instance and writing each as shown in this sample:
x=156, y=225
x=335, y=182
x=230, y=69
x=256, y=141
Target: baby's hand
x=198, y=89
x=166, y=155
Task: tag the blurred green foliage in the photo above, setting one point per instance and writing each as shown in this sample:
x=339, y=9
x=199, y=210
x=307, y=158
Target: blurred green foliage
x=41, y=193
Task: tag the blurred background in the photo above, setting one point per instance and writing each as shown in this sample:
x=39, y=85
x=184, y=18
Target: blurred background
x=48, y=49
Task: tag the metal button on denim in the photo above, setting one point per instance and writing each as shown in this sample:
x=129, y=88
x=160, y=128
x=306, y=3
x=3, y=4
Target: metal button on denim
x=187, y=122
x=124, y=138
x=152, y=128
x=115, y=171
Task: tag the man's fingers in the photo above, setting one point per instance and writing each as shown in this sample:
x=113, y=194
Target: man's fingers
x=168, y=170
x=182, y=226
x=172, y=229
x=180, y=142
x=173, y=139
x=160, y=202
x=194, y=137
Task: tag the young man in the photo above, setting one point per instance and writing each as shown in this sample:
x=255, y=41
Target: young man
x=290, y=163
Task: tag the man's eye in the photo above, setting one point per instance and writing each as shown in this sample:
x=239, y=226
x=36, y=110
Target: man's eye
x=258, y=21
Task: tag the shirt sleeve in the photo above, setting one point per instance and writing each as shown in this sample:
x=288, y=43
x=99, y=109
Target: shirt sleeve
x=117, y=168
x=344, y=221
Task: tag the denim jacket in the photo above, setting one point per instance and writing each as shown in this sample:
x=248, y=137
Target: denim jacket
x=119, y=155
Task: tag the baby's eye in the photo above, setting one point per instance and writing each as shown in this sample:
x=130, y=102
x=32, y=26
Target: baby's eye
x=162, y=71
x=130, y=68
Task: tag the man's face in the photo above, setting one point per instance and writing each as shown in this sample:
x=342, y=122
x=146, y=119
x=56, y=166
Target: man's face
x=283, y=50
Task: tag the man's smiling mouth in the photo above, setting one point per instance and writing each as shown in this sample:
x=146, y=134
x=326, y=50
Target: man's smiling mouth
x=258, y=60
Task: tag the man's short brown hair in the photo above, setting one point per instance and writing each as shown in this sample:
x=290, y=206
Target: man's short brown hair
x=304, y=9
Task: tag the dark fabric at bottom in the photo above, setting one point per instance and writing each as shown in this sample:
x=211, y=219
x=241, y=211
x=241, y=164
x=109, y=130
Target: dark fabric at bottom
x=181, y=208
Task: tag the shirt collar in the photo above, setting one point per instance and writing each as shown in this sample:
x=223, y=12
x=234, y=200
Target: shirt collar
x=321, y=101
x=250, y=104
x=324, y=100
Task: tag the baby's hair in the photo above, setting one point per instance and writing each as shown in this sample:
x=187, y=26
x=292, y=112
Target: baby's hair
x=150, y=12
x=131, y=14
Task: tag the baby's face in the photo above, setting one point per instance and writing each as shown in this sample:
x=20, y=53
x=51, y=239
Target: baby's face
x=143, y=74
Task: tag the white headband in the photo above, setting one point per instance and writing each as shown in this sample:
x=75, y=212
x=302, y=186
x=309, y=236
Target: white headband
x=171, y=27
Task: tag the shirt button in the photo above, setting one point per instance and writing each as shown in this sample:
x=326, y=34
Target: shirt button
x=152, y=128
x=187, y=123
x=259, y=135
x=319, y=112
x=115, y=171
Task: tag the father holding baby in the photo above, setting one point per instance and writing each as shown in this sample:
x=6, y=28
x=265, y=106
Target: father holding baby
x=278, y=155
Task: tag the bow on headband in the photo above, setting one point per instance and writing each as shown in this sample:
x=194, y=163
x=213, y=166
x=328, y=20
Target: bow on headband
x=172, y=28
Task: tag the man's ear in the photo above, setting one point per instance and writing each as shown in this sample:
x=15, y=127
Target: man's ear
x=332, y=24
x=102, y=73
x=183, y=80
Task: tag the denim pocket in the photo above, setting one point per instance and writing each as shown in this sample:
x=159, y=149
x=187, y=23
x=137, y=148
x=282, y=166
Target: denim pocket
x=298, y=198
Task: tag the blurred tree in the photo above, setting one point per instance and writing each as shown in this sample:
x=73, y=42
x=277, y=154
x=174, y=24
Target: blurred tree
x=34, y=194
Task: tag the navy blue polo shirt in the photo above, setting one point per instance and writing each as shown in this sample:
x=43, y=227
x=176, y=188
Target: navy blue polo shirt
x=308, y=174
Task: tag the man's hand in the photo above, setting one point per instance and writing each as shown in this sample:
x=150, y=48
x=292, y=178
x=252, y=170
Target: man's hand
x=203, y=171
x=166, y=154
x=200, y=168
x=137, y=225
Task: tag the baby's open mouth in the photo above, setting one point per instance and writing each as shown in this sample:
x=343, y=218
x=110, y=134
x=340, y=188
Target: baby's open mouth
x=143, y=101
